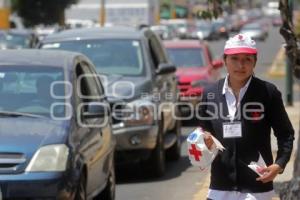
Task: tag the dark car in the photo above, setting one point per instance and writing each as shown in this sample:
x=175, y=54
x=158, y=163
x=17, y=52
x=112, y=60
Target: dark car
x=220, y=29
x=56, y=140
x=141, y=88
x=17, y=39
x=205, y=31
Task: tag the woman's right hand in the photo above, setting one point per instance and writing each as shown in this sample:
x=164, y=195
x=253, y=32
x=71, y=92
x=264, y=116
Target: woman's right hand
x=208, y=140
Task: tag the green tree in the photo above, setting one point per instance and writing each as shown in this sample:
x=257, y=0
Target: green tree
x=46, y=12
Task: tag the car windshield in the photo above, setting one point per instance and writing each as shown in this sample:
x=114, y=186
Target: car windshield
x=32, y=90
x=110, y=56
x=252, y=27
x=15, y=40
x=204, y=26
x=186, y=57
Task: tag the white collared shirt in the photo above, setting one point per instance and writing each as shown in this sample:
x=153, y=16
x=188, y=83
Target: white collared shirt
x=232, y=102
x=232, y=105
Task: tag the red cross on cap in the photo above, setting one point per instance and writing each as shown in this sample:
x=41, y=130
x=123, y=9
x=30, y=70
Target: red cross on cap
x=240, y=37
x=195, y=152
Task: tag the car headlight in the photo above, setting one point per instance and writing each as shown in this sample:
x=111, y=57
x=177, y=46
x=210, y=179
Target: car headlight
x=49, y=158
x=200, y=34
x=141, y=113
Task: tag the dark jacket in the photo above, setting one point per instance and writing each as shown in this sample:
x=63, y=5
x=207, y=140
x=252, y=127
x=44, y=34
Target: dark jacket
x=262, y=103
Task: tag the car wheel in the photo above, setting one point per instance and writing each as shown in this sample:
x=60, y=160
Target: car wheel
x=157, y=163
x=110, y=190
x=81, y=189
x=173, y=153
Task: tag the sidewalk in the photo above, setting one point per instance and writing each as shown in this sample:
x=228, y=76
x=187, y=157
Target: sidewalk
x=278, y=67
x=293, y=112
x=294, y=115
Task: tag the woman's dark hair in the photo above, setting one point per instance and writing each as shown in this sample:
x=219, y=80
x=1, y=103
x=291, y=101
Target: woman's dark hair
x=255, y=56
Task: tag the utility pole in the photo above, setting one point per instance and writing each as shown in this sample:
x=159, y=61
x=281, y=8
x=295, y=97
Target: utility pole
x=289, y=71
x=4, y=14
x=102, y=13
x=172, y=10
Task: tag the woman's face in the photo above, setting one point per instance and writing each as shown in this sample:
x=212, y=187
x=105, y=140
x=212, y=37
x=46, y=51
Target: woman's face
x=240, y=66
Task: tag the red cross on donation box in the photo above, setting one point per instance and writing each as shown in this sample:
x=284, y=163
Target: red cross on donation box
x=195, y=152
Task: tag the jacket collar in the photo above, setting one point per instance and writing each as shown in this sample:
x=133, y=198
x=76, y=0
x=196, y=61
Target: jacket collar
x=247, y=97
x=226, y=86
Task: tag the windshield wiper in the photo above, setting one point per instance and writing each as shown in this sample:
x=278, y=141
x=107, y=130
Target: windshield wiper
x=19, y=114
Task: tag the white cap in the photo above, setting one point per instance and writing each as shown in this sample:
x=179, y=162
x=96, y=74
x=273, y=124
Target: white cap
x=198, y=152
x=240, y=43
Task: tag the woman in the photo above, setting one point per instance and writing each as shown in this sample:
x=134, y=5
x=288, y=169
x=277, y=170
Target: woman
x=240, y=111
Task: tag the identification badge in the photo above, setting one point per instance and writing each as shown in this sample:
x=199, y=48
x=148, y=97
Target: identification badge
x=232, y=130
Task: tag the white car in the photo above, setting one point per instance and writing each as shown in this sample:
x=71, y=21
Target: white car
x=256, y=31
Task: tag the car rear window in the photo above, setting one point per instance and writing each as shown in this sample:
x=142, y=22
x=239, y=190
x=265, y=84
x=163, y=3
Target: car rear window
x=15, y=40
x=184, y=57
x=28, y=90
x=110, y=56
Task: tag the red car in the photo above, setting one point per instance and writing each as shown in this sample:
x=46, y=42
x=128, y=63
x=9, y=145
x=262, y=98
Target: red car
x=195, y=67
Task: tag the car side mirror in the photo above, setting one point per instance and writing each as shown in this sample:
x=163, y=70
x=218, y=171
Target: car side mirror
x=96, y=110
x=165, y=68
x=217, y=64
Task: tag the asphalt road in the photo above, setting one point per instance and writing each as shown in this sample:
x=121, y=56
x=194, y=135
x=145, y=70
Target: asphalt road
x=181, y=182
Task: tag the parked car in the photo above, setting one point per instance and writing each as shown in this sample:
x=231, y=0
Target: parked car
x=276, y=20
x=205, y=31
x=184, y=28
x=52, y=145
x=195, y=68
x=236, y=22
x=256, y=31
x=220, y=29
x=17, y=39
x=140, y=79
x=163, y=31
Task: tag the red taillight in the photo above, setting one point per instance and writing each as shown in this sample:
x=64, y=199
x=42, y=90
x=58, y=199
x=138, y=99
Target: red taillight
x=192, y=92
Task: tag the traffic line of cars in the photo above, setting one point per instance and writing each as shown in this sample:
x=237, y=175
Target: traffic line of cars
x=91, y=99
x=87, y=100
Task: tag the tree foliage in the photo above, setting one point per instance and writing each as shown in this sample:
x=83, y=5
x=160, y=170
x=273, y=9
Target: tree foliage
x=36, y=12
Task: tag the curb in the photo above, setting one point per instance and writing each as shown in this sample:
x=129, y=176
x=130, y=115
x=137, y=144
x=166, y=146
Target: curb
x=204, y=185
x=277, y=68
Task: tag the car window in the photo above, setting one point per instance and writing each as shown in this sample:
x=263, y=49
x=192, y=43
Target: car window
x=95, y=91
x=15, y=40
x=157, y=51
x=184, y=57
x=28, y=89
x=209, y=53
x=252, y=26
x=110, y=56
x=87, y=87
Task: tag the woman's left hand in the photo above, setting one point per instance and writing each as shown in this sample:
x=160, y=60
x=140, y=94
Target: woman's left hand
x=269, y=173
